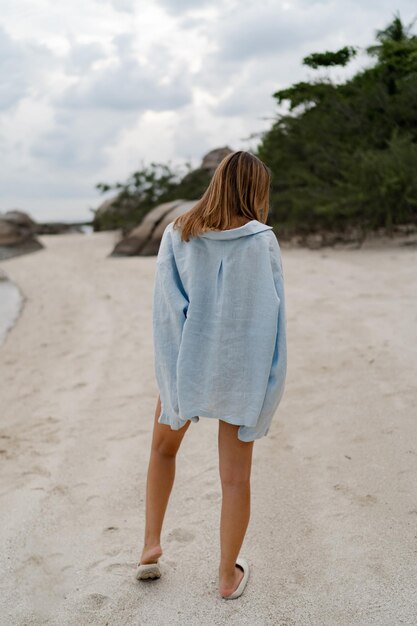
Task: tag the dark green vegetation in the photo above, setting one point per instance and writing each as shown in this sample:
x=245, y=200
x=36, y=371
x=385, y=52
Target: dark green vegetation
x=346, y=154
x=342, y=155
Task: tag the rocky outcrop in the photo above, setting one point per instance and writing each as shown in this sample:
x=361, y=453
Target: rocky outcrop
x=144, y=240
x=21, y=219
x=17, y=234
x=212, y=159
x=113, y=213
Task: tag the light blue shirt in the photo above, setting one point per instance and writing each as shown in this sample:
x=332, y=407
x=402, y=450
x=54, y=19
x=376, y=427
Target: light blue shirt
x=219, y=327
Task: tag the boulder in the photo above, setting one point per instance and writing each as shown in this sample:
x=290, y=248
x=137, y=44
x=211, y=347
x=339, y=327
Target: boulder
x=17, y=234
x=152, y=245
x=10, y=234
x=193, y=184
x=144, y=239
x=22, y=219
x=212, y=159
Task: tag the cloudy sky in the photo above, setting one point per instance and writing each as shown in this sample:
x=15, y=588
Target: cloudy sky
x=92, y=89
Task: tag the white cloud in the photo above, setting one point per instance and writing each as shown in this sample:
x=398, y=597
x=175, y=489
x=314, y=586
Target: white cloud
x=177, y=7
x=127, y=85
x=80, y=140
x=82, y=56
x=91, y=88
x=126, y=6
x=21, y=65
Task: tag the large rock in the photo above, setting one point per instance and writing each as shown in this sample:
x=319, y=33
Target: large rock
x=20, y=218
x=109, y=216
x=17, y=234
x=144, y=240
x=152, y=245
x=212, y=159
x=10, y=234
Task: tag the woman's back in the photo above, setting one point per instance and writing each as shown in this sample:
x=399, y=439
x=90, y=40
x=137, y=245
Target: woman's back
x=219, y=327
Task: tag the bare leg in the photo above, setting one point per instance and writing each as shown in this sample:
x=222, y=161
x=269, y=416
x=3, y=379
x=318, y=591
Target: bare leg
x=235, y=463
x=160, y=479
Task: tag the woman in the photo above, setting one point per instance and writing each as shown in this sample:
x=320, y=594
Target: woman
x=219, y=329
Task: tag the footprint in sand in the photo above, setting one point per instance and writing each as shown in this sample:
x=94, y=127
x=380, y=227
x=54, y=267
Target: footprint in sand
x=64, y=569
x=119, y=569
x=113, y=552
x=94, y=564
x=59, y=490
x=33, y=561
x=181, y=534
x=366, y=500
x=37, y=470
x=95, y=601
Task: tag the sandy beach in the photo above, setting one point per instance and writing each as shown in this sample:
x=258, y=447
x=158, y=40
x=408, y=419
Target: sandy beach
x=332, y=536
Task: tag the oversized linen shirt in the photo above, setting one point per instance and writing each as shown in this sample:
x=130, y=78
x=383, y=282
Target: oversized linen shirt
x=219, y=327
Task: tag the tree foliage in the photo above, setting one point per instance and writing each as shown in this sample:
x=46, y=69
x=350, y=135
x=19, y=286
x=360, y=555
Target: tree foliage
x=327, y=59
x=346, y=154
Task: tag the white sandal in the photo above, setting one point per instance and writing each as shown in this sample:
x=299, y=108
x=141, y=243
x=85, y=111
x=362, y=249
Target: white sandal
x=244, y=565
x=148, y=570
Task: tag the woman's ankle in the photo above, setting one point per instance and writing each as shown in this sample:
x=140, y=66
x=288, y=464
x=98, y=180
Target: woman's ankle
x=227, y=571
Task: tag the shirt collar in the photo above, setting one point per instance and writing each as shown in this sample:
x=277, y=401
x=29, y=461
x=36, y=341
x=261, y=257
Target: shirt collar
x=250, y=228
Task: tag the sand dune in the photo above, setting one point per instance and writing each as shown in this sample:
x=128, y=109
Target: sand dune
x=331, y=539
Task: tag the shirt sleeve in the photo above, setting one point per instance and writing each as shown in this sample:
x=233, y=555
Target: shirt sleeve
x=170, y=305
x=277, y=377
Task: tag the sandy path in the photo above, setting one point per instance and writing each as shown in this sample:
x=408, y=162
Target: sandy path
x=332, y=537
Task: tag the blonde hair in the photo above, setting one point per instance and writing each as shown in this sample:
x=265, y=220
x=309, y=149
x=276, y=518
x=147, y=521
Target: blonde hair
x=239, y=187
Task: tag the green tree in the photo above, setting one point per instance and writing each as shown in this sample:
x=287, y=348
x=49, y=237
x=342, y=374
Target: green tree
x=345, y=154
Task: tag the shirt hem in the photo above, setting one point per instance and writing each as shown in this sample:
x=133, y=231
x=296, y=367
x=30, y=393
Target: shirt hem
x=166, y=418
x=225, y=418
x=246, y=433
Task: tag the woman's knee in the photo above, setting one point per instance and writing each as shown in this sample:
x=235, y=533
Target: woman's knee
x=165, y=450
x=235, y=456
x=234, y=478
